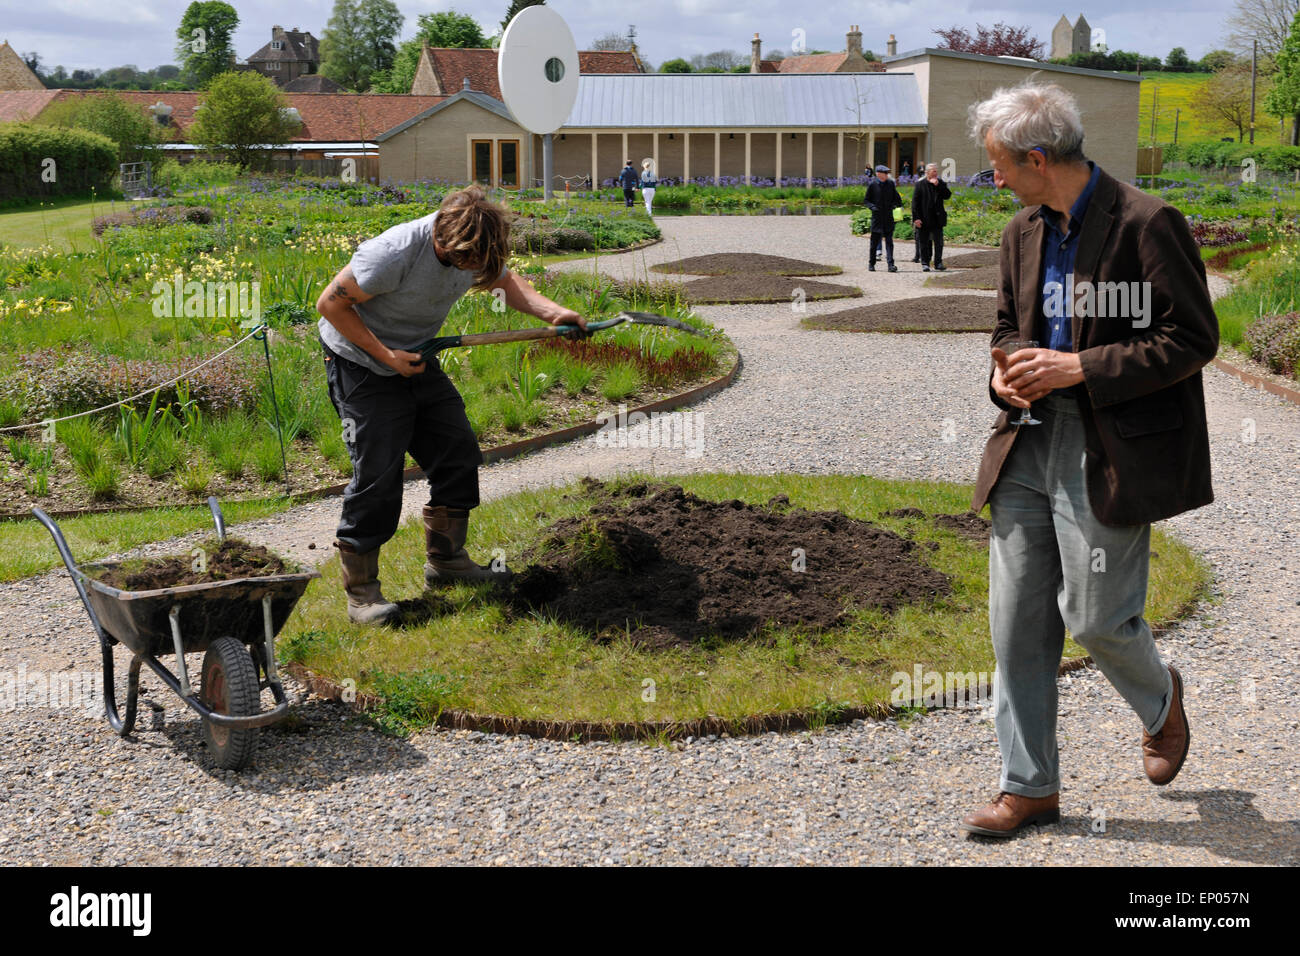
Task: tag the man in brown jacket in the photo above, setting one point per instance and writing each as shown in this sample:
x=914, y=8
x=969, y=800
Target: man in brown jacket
x=1104, y=322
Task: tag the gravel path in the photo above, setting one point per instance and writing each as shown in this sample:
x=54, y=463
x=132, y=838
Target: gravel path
x=327, y=789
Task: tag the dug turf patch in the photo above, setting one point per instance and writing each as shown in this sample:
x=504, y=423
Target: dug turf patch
x=761, y=288
x=974, y=260
x=664, y=567
x=985, y=277
x=934, y=313
x=747, y=263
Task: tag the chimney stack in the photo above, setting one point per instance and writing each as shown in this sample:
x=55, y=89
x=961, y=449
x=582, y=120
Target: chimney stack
x=465, y=83
x=853, y=40
x=756, y=55
x=893, y=46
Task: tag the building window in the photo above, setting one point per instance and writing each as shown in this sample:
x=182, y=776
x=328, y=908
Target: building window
x=277, y=45
x=482, y=158
x=274, y=65
x=509, y=163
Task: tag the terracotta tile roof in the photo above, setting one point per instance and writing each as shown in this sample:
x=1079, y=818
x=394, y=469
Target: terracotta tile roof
x=769, y=66
x=326, y=117
x=16, y=105
x=452, y=66
x=817, y=63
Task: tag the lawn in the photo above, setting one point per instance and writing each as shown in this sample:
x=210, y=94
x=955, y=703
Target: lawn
x=63, y=225
x=482, y=655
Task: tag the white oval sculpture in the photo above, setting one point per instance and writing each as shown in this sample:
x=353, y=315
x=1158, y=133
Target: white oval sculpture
x=537, y=68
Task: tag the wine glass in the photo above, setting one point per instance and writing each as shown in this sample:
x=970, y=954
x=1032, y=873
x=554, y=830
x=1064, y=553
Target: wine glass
x=1010, y=348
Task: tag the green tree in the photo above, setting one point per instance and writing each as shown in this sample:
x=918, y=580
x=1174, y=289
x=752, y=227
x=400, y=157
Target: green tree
x=515, y=7
x=675, y=66
x=204, y=47
x=240, y=112
x=444, y=29
x=359, y=41
x=1178, y=61
x=1283, y=100
x=1216, y=60
x=132, y=131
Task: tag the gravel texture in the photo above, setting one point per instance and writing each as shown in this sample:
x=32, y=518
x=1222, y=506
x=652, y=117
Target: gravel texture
x=328, y=789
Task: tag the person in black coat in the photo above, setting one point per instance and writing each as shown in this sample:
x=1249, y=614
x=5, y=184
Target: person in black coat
x=628, y=179
x=882, y=199
x=929, y=217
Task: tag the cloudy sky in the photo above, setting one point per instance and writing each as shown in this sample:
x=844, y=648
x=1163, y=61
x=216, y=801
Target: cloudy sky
x=106, y=33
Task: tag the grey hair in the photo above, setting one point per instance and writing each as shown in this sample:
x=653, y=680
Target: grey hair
x=1030, y=115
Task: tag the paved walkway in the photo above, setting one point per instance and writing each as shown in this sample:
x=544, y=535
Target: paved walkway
x=331, y=790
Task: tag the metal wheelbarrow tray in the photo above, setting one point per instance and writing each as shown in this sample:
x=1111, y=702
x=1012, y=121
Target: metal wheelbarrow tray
x=234, y=622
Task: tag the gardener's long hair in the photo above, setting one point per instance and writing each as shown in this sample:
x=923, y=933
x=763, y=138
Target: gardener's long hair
x=472, y=230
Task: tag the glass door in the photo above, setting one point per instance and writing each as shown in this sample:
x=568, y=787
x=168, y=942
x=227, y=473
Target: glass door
x=882, y=157
x=907, y=153
x=508, y=153
x=481, y=154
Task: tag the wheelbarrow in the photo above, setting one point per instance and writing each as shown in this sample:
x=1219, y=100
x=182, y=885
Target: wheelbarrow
x=233, y=622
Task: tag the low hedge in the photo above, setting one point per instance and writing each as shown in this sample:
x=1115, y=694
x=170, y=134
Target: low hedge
x=82, y=162
x=1279, y=159
x=1274, y=341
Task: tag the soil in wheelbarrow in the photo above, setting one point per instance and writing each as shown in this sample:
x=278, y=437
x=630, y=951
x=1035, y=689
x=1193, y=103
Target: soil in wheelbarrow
x=928, y=313
x=745, y=263
x=666, y=568
x=229, y=560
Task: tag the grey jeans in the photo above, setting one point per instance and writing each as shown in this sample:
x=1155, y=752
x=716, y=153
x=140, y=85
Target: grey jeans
x=1053, y=566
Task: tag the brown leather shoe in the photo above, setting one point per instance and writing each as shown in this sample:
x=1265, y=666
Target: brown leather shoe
x=1163, y=753
x=1009, y=813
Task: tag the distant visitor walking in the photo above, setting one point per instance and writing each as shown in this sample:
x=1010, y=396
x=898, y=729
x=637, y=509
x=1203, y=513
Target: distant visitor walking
x=648, y=184
x=929, y=217
x=882, y=199
x=628, y=179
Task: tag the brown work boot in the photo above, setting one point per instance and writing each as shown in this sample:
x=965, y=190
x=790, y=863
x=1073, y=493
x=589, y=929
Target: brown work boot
x=1163, y=753
x=366, y=603
x=1009, y=813
x=445, y=530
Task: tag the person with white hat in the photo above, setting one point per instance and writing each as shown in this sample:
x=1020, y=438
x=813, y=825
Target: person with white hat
x=648, y=184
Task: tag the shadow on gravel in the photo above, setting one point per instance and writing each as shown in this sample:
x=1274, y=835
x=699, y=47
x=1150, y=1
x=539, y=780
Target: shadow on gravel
x=319, y=743
x=1230, y=827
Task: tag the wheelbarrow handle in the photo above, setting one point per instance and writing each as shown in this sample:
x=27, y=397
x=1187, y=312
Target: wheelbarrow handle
x=66, y=553
x=218, y=518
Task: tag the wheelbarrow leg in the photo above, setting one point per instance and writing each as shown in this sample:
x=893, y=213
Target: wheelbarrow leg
x=123, y=725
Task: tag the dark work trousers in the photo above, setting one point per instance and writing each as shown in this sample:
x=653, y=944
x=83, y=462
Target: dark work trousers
x=930, y=239
x=889, y=244
x=386, y=416
x=629, y=196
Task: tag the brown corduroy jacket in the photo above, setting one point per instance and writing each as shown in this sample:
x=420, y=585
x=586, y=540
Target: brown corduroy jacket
x=1143, y=407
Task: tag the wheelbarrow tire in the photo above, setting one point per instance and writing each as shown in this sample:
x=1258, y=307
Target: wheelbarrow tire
x=230, y=686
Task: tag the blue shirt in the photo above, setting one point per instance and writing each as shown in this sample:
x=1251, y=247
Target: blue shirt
x=1058, y=270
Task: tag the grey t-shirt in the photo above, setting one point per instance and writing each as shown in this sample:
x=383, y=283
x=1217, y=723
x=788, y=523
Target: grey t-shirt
x=413, y=291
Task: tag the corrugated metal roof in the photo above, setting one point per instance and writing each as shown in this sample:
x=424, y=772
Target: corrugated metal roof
x=736, y=100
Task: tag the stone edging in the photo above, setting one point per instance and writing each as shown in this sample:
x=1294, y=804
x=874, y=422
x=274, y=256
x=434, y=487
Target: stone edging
x=490, y=455
x=1250, y=378
x=585, y=731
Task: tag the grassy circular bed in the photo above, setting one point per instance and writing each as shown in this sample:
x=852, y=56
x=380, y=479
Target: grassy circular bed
x=737, y=289
x=747, y=263
x=654, y=607
x=931, y=313
x=983, y=277
x=974, y=260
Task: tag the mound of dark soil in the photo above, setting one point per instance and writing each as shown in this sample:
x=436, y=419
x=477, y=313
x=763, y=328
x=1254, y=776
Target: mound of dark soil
x=761, y=288
x=968, y=524
x=932, y=313
x=747, y=263
x=985, y=277
x=227, y=561
x=668, y=568
x=974, y=260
